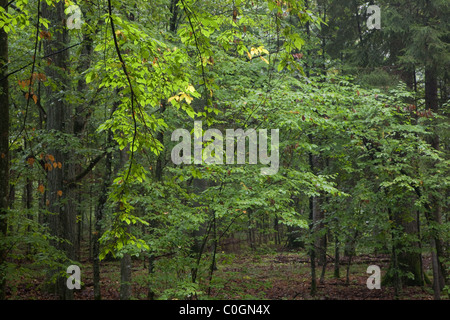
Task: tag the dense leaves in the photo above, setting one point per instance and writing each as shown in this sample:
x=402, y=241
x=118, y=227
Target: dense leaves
x=359, y=162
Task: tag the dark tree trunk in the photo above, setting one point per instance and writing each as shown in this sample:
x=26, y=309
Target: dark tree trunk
x=125, y=262
x=313, y=214
x=409, y=256
x=434, y=217
x=28, y=195
x=4, y=149
x=99, y=213
x=125, y=275
x=312, y=250
x=62, y=221
x=336, y=257
x=174, y=17
x=158, y=178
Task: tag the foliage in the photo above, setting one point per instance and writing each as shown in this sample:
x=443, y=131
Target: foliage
x=361, y=145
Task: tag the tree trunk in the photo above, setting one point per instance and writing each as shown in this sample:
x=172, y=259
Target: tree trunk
x=28, y=195
x=99, y=213
x=336, y=257
x=125, y=262
x=409, y=256
x=158, y=178
x=174, y=17
x=4, y=150
x=313, y=214
x=312, y=250
x=434, y=217
x=125, y=275
x=62, y=221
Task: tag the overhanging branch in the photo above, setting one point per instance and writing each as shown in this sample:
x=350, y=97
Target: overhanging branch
x=81, y=175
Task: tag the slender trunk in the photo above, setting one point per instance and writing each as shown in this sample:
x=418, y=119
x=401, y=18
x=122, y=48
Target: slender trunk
x=324, y=269
x=174, y=17
x=336, y=257
x=321, y=243
x=4, y=151
x=99, y=213
x=313, y=207
x=28, y=205
x=312, y=251
x=358, y=22
x=394, y=268
x=351, y=253
x=213, y=257
x=125, y=275
x=90, y=223
x=200, y=235
x=158, y=178
x=151, y=270
x=80, y=222
x=434, y=217
x=308, y=36
x=125, y=262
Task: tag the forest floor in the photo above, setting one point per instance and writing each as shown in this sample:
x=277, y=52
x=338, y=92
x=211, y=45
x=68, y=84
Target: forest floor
x=268, y=276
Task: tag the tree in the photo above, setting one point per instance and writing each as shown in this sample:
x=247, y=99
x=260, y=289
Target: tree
x=360, y=138
x=4, y=150
x=62, y=220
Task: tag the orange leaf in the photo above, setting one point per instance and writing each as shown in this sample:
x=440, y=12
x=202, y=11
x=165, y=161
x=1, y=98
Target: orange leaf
x=42, y=77
x=55, y=165
x=59, y=193
x=51, y=158
x=35, y=98
x=59, y=165
x=41, y=188
x=30, y=161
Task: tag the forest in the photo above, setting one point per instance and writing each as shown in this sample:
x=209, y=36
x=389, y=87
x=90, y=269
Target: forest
x=224, y=150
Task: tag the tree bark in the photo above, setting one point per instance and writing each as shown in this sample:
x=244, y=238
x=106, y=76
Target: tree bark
x=4, y=150
x=336, y=256
x=62, y=221
x=125, y=262
x=313, y=213
x=125, y=275
x=312, y=250
x=99, y=213
x=434, y=217
x=158, y=178
x=409, y=256
x=174, y=18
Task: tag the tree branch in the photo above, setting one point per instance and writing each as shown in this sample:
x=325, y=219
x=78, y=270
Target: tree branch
x=47, y=56
x=89, y=168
